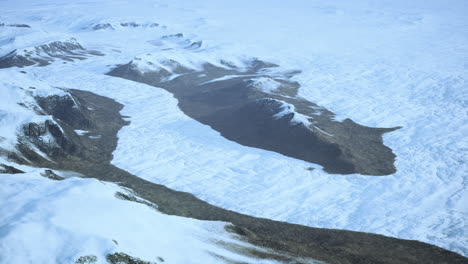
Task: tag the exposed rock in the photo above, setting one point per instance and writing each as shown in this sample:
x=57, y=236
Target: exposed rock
x=276, y=119
x=53, y=141
x=65, y=109
x=178, y=35
x=9, y=169
x=48, y=138
x=19, y=25
x=133, y=198
x=195, y=45
x=122, y=258
x=15, y=25
x=45, y=54
x=113, y=26
x=86, y=260
x=103, y=26
x=130, y=24
x=51, y=175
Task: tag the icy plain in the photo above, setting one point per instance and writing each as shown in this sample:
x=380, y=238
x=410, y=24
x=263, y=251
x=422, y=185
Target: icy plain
x=380, y=63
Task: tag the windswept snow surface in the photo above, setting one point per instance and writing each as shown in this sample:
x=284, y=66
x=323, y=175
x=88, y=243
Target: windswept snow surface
x=381, y=63
x=46, y=221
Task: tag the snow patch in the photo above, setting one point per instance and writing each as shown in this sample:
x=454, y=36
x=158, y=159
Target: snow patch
x=81, y=132
x=266, y=84
x=297, y=118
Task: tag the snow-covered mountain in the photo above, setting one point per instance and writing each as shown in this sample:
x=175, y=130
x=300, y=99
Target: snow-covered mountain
x=247, y=111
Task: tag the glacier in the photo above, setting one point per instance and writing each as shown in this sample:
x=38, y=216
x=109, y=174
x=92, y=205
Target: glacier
x=382, y=64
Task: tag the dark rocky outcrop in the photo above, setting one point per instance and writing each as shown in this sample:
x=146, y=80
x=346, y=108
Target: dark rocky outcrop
x=15, y=25
x=102, y=26
x=122, y=258
x=132, y=198
x=110, y=26
x=90, y=259
x=45, y=54
x=57, y=138
x=51, y=175
x=195, y=45
x=178, y=35
x=9, y=169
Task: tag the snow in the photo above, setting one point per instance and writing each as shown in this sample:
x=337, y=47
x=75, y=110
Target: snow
x=39, y=152
x=81, y=132
x=297, y=118
x=266, y=84
x=383, y=64
x=46, y=221
x=228, y=77
x=24, y=40
x=169, y=59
